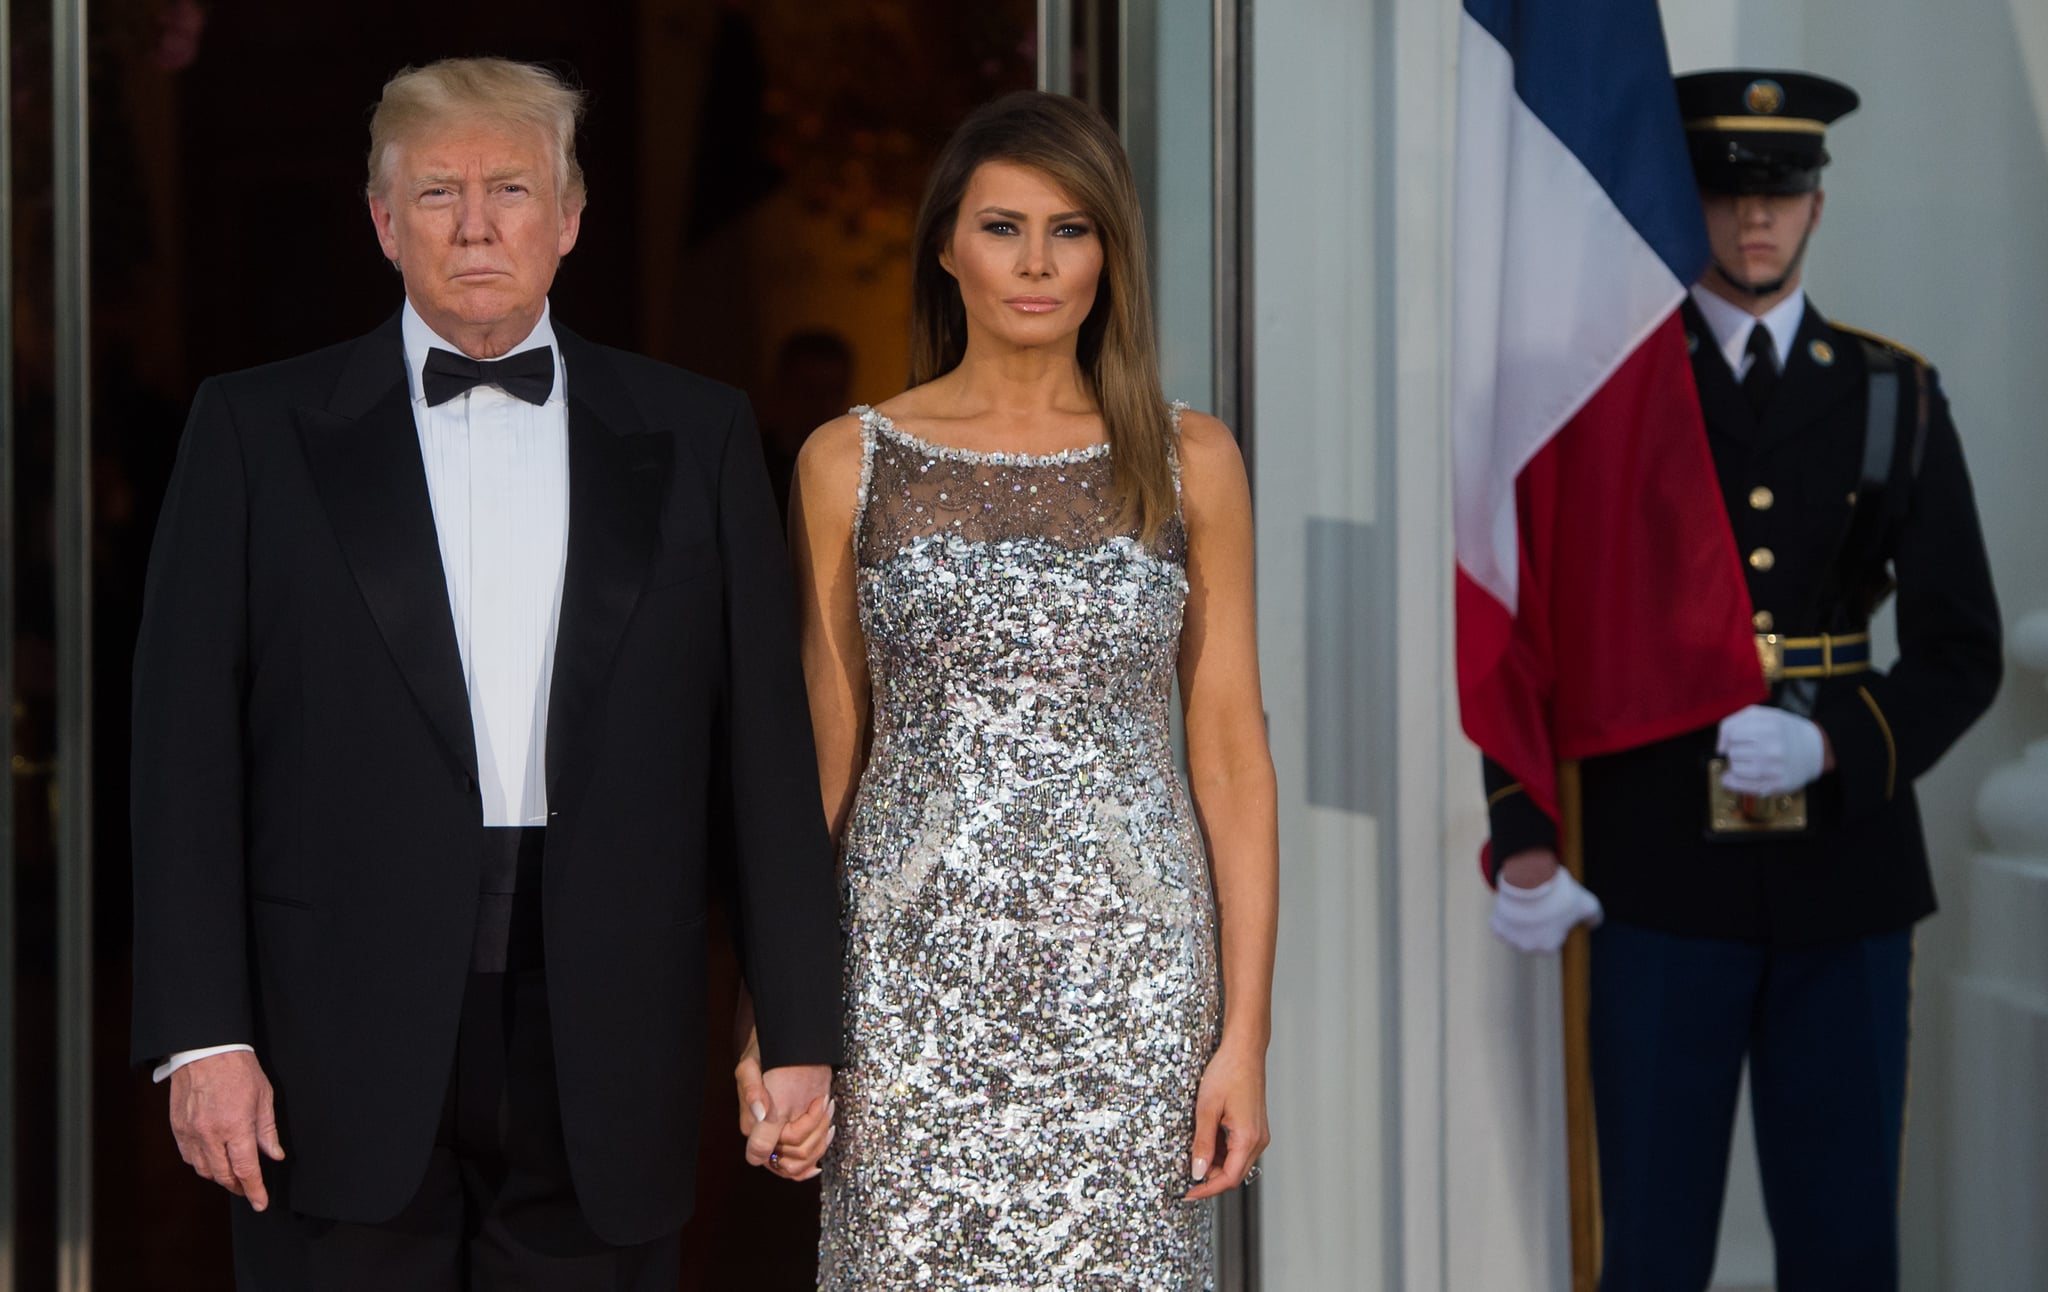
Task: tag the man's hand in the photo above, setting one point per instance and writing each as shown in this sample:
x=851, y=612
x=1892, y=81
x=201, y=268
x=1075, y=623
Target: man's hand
x=1771, y=751
x=785, y=1113
x=222, y=1115
x=1539, y=918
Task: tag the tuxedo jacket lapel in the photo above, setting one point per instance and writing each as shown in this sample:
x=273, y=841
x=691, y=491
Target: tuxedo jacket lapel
x=364, y=454
x=618, y=475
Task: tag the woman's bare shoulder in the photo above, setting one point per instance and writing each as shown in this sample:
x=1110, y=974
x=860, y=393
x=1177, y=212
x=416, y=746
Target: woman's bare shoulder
x=1202, y=434
x=828, y=472
x=832, y=450
x=1212, y=468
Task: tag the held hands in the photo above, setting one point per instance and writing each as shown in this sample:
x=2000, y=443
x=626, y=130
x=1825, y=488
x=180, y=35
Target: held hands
x=1771, y=751
x=222, y=1114
x=1538, y=903
x=1232, y=1099
x=785, y=1113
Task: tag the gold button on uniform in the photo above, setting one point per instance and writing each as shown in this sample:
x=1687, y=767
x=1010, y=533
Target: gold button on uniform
x=1762, y=559
x=1761, y=498
x=1762, y=621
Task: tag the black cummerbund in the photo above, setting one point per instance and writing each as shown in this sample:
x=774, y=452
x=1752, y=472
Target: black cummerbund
x=508, y=933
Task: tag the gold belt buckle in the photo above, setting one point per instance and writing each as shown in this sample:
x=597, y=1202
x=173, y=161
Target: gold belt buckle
x=1770, y=652
x=1734, y=815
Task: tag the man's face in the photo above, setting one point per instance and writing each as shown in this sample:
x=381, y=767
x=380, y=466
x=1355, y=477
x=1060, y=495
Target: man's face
x=472, y=216
x=1757, y=238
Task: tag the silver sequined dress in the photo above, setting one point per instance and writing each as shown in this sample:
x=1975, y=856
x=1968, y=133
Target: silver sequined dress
x=1031, y=978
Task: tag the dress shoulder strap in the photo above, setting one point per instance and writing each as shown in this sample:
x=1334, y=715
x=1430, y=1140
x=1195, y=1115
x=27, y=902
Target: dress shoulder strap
x=868, y=417
x=1173, y=411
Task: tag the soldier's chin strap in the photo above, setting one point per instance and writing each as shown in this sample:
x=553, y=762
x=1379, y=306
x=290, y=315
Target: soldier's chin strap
x=1772, y=286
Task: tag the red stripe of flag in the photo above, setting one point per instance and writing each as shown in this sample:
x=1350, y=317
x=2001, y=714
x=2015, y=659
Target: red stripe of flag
x=1633, y=623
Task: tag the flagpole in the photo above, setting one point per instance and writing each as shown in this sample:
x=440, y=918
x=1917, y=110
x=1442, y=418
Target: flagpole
x=1581, y=1142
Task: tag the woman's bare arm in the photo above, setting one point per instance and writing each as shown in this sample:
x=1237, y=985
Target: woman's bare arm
x=821, y=514
x=821, y=508
x=1231, y=775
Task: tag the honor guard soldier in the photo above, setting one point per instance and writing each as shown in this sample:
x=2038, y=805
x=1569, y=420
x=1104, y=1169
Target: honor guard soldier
x=1761, y=878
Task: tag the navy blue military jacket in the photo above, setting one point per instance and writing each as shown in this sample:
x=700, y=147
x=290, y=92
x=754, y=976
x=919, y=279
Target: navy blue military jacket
x=1791, y=481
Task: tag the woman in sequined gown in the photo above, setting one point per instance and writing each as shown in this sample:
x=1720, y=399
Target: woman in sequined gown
x=1056, y=996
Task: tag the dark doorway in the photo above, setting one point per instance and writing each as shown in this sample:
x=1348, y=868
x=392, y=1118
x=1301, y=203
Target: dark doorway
x=753, y=166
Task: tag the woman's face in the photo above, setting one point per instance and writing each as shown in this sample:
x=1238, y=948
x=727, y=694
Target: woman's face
x=1026, y=257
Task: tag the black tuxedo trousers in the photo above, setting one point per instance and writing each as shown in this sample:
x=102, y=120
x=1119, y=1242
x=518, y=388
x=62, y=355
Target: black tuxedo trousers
x=305, y=800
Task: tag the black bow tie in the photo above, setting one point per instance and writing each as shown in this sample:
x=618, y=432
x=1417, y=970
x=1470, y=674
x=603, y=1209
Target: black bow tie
x=528, y=375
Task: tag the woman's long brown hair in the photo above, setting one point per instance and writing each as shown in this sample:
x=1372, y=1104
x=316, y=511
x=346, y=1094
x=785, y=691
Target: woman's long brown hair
x=1073, y=146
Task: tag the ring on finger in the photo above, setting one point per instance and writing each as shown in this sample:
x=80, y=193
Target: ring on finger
x=1252, y=1174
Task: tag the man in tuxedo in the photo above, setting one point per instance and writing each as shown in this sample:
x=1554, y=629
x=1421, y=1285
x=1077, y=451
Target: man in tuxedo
x=462, y=641
x=1761, y=877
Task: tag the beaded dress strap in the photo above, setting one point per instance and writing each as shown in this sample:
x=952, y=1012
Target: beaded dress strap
x=868, y=416
x=1174, y=410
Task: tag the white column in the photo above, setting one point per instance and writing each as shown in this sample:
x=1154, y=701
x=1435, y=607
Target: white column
x=1997, y=1069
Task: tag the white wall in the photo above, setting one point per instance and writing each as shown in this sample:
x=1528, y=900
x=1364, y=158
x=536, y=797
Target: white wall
x=1415, y=1094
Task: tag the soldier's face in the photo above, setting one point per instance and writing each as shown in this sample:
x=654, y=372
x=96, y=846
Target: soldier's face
x=1758, y=238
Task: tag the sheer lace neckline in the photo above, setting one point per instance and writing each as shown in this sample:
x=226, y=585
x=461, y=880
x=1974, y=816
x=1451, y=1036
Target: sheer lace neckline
x=880, y=422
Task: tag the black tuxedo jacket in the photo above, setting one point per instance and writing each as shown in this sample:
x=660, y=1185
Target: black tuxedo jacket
x=1789, y=481
x=305, y=804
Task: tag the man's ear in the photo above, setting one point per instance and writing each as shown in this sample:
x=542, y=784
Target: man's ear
x=380, y=216
x=1820, y=199
x=572, y=224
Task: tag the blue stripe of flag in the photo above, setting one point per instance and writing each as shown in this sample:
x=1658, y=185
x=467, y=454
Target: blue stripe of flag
x=1595, y=72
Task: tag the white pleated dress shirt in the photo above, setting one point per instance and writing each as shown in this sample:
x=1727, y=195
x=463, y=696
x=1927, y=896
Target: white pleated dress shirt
x=498, y=477
x=1732, y=325
x=498, y=474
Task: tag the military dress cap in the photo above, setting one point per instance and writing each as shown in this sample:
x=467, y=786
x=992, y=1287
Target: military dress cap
x=1760, y=131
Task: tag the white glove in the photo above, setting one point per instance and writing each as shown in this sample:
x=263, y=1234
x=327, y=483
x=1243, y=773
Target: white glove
x=1770, y=751
x=1539, y=919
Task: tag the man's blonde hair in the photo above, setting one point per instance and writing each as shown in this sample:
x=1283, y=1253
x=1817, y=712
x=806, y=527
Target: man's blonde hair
x=496, y=91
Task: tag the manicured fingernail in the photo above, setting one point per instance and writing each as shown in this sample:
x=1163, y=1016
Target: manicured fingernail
x=831, y=1108
x=1201, y=1167
x=759, y=1110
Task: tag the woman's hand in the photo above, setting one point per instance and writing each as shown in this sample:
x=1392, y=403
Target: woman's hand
x=746, y=1074
x=802, y=1144
x=790, y=1149
x=1232, y=1098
